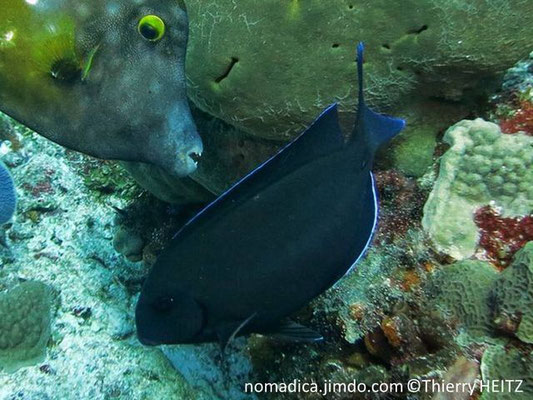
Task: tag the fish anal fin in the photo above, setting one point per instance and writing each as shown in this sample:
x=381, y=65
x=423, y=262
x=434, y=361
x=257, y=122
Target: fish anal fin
x=292, y=331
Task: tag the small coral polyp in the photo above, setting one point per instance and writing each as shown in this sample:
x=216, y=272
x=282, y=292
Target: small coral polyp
x=482, y=167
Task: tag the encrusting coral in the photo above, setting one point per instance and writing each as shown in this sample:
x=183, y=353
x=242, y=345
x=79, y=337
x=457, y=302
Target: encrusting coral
x=482, y=167
x=24, y=324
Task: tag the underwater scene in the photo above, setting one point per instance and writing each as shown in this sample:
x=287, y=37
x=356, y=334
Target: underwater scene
x=266, y=199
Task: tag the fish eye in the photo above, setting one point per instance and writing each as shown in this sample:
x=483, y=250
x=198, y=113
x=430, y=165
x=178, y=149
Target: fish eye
x=164, y=304
x=151, y=27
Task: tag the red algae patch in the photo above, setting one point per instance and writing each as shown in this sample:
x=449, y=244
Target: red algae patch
x=520, y=121
x=502, y=237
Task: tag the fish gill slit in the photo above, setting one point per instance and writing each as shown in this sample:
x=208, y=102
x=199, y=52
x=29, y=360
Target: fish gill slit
x=234, y=61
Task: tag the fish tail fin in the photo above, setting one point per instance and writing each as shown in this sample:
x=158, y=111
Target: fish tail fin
x=370, y=126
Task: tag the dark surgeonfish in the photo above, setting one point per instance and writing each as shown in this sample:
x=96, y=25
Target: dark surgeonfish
x=277, y=239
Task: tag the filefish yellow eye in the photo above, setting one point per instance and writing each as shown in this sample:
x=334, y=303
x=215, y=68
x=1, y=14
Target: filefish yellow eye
x=151, y=27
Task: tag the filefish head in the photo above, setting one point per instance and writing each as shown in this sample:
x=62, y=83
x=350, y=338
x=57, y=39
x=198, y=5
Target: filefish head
x=164, y=318
x=104, y=77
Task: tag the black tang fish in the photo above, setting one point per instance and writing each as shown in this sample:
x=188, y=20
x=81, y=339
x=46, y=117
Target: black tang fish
x=278, y=238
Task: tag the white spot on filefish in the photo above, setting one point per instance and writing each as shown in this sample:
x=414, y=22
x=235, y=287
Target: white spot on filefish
x=9, y=36
x=113, y=9
x=32, y=2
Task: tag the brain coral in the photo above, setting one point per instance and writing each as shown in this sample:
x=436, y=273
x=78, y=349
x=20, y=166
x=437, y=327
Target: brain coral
x=513, y=296
x=503, y=364
x=270, y=67
x=8, y=198
x=24, y=324
x=483, y=166
x=461, y=293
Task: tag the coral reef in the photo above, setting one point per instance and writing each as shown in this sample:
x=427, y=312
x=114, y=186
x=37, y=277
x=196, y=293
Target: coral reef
x=108, y=177
x=404, y=313
x=513, y=297
x=519, y=78
x=8, y=196
x=62, y=236
x=521, y=120
x=483, y=166
x=24, y=325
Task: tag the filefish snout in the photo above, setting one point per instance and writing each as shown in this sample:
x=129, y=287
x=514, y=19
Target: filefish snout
x=184, y=150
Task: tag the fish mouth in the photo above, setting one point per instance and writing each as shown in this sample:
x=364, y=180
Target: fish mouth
x=181, y=162
x=195, y=157
x=190, y=163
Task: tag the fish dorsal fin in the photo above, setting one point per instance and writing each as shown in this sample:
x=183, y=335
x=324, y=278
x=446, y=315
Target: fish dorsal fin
x=375, y=128
x=292, y=331
x=229, y=332
x=323, y=137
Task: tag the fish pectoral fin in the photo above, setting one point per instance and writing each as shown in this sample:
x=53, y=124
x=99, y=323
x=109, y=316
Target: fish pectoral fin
x=292, y=331
x=89, y=63
x=229, y=331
